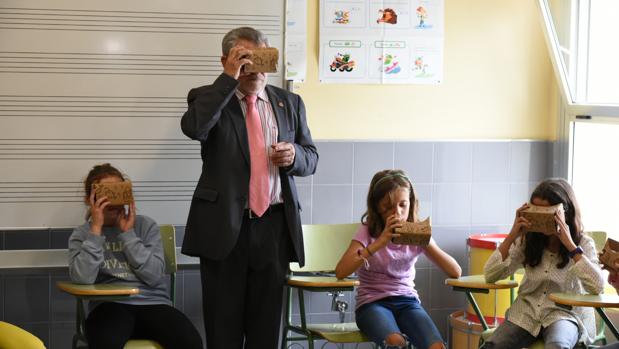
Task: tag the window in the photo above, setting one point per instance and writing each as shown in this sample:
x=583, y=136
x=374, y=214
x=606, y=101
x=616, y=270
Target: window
x=595, y=175
x=581, y=36
x=602, y=85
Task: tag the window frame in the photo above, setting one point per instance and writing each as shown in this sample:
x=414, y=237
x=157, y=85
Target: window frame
x=570, y=109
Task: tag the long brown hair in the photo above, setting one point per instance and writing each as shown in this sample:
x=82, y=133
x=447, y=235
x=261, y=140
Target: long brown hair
x=555, y=191
x=384, y=183
x=97, y=173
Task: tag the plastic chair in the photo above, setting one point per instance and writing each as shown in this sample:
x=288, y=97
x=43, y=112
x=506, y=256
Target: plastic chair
x=13, y=337
x=107, y=292
x=599, y=238
x=324, y=246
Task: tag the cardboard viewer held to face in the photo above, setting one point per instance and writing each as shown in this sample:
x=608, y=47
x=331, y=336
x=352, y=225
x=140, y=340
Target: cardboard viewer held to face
x=542, y=218
x=264, y=60
x=414, y=233
x=118, y=194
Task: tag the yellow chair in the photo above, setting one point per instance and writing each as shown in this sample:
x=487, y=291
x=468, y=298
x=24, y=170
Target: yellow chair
x=324, y=245
x=106, y=292
x=13, y=337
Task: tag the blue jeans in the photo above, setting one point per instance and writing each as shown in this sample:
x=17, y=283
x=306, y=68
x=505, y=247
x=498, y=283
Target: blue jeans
x=562, y=334
x=397, y=314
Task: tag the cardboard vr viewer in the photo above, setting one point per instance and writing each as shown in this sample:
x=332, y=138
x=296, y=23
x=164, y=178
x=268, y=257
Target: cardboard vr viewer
x=414, y=233
x=610, y=255
x=264, y=60
x=542, y=218
x=120, y=193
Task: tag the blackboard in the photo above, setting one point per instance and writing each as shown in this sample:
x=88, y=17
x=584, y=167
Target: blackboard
x=85, y=82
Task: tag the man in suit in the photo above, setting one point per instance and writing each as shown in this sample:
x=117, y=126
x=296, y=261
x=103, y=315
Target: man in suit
x=244, y=220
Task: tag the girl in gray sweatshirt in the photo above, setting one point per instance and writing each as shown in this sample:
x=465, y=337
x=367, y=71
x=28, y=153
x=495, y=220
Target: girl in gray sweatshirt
x=117, y=246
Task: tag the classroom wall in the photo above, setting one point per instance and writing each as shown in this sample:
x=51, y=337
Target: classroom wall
x=498, y=83
x=467, y=187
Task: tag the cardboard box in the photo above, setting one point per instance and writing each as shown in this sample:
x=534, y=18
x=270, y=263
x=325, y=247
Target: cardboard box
x=120, y=193
x=542, y=218
x=414, y=233
x=610, y=255
x=264, y=60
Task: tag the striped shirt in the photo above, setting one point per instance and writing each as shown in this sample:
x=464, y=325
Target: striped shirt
x=532, y=310
x=270, y=133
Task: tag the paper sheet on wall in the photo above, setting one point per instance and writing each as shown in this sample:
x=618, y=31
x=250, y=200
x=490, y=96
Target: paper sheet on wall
x=296, y=40
x=381, y=41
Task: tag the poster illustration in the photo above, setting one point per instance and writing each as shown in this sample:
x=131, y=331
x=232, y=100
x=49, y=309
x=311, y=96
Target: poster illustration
x=295, y=63
x=381, y=41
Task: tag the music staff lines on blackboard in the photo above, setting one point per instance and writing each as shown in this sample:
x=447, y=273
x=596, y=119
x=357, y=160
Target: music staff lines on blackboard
x=95, y=106
x=98, y=149
x=40, y=192
x=133, y=21
x=94, y=63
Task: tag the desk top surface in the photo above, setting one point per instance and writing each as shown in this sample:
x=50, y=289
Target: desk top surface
x=586, y=300
x=479, y=282
x=321, y=281
x=98, y=289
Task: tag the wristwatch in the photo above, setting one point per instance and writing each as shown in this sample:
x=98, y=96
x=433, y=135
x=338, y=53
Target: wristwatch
x=577, y=250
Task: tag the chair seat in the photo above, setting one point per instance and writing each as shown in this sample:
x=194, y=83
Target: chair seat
x=347, y=332
x=539, y=344
x=487, y=333
x=142, y=344
x=13, y=337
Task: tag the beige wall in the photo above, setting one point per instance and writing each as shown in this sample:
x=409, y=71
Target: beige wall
x=497, y=83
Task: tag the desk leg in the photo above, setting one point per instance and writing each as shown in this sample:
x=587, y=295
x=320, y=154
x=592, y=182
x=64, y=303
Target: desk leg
x=471, y=299
x=607, y=321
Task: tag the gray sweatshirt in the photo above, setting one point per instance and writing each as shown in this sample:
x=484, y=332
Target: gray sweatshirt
x=132, y=258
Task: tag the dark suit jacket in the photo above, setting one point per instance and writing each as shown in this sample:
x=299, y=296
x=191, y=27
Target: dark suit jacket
x=214, y=117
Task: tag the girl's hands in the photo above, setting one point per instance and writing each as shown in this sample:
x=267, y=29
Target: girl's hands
x=563, y=231
x=126, y=220
x=520, y=223
x=96, y=212
x=518, y=229
x=388, y=233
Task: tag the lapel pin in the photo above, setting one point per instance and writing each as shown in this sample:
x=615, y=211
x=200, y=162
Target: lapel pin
x=280, y=104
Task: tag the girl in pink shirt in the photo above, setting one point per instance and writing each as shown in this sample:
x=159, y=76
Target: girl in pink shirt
x=388, y=309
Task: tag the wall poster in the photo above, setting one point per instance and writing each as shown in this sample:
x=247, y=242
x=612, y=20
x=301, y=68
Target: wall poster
x=381, y=41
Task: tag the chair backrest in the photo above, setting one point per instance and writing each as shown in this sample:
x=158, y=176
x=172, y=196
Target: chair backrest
x=324, y=246
x=168, y=240
x=599, y=237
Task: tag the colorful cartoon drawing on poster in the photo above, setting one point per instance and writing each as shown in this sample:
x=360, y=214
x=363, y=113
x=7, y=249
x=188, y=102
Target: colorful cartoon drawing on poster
x=342, y=62
x=388, y=16
x=341, y=17
x=422, y=15
x=390, y=65
x=421, y=68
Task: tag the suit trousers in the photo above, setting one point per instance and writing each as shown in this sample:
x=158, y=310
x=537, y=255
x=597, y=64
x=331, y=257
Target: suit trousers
x=242, y=294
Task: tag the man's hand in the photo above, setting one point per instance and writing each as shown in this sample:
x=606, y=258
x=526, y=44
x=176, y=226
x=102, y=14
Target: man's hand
x=282, y=154
x=235, y=60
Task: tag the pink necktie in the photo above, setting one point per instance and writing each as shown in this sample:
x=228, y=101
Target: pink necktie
x=259, y=176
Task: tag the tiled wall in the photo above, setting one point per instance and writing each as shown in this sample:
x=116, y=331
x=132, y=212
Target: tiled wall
x=466, y=187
